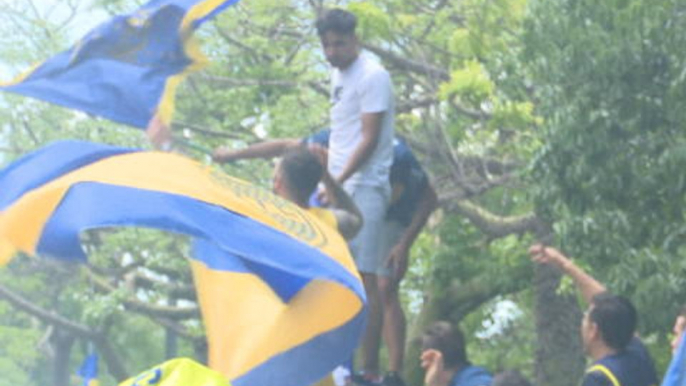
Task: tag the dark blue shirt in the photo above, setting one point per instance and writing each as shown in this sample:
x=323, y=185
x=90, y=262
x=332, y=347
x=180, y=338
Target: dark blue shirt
x=630, y=367
x=407, y=178
x=472, y=376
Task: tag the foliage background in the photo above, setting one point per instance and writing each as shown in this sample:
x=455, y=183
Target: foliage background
x=564, y=113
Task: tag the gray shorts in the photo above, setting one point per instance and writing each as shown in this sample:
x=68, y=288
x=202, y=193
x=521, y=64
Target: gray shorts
x=391, y=232
x=365, y=246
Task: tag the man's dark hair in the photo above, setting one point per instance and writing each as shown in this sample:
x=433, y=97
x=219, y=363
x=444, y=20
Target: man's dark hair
x=510, y=378
x=442, y=336
x=338, y=21
x=302, y=171
x=616, y=319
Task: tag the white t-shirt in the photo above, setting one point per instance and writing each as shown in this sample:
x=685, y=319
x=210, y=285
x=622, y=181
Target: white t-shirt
x=364, y=87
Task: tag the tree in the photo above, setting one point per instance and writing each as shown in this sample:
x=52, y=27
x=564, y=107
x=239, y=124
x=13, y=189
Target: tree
x=512, y=106
x=609, y=80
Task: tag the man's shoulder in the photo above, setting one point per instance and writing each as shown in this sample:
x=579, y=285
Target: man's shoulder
x=473, y=376
x=320, y=138
x=596, y=377
x=633, y=364
x=371, y=68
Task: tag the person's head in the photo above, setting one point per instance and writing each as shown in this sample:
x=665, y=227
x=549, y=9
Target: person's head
x=297, y=175
x=679, y=328
x=610, y=320
x=336, y=30
x=442, y=336
x=510, y=378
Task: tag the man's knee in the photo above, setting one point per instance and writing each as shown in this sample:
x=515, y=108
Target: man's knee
x=388, y=290
x=370, y=282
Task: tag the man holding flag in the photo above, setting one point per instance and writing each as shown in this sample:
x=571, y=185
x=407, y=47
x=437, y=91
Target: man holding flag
x=412, y=202
x=128, y=68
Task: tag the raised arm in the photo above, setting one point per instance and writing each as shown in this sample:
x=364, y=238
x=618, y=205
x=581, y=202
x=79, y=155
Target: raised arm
x=588, y=285
x=267, y=149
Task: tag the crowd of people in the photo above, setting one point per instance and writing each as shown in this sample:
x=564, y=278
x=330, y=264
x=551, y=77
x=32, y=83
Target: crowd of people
x=361, y=178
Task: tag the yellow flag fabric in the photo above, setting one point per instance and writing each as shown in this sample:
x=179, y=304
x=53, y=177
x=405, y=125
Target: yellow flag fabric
x=279, y=293
x=178, y=372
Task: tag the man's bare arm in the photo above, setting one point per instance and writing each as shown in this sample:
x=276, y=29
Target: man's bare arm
x=588, y=285
x=267, y=149
x=397, y=258
x=427, y=204
x=371, y=129
x=347, y=214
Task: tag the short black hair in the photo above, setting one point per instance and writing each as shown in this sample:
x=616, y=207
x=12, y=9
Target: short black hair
x=338, y=21
x=510, y=378
x=616, y=318
x=447, y=339
x=302, y=171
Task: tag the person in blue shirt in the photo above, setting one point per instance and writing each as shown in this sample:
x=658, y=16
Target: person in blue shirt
x=676, y=372
x=413, y=200
x=444, y=359
x=608, y=329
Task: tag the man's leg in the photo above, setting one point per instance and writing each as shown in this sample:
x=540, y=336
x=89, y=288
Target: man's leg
x=367, y=249
x=394, y=324
x=372, y=336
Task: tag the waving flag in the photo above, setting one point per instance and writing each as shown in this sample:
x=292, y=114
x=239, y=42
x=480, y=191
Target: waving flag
x=89, y=371
x=129, y=67
x=178, y=372
x=280, y=295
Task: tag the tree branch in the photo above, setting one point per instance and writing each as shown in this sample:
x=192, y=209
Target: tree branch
x=493, y=225
x=415, y=104
x=233, y=82
x=174, y=291
x=203, y=131
x=172, y=313
x=461, y=298
x=408, y=64
x=115, y=366
x=46, y=316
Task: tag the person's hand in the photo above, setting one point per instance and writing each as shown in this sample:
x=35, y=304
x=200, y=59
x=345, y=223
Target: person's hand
x=547, y=255
x=432, y=363
x=221, y=155
x=321, y=152
x=323, y=197
x=397, y=260
x=159, y=133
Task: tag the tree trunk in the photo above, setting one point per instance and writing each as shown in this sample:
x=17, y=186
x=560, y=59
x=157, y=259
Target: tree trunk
x=62, y=343
x=170, y=337
x=559, y=353
x=109, y=355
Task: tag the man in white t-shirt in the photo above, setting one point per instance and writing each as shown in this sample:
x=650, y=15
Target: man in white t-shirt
x=360, y=156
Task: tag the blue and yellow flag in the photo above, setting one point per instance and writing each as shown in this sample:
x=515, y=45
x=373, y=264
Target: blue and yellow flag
x=280, y=296
x=89, y=371
x=128, y=68
x=178, y=372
